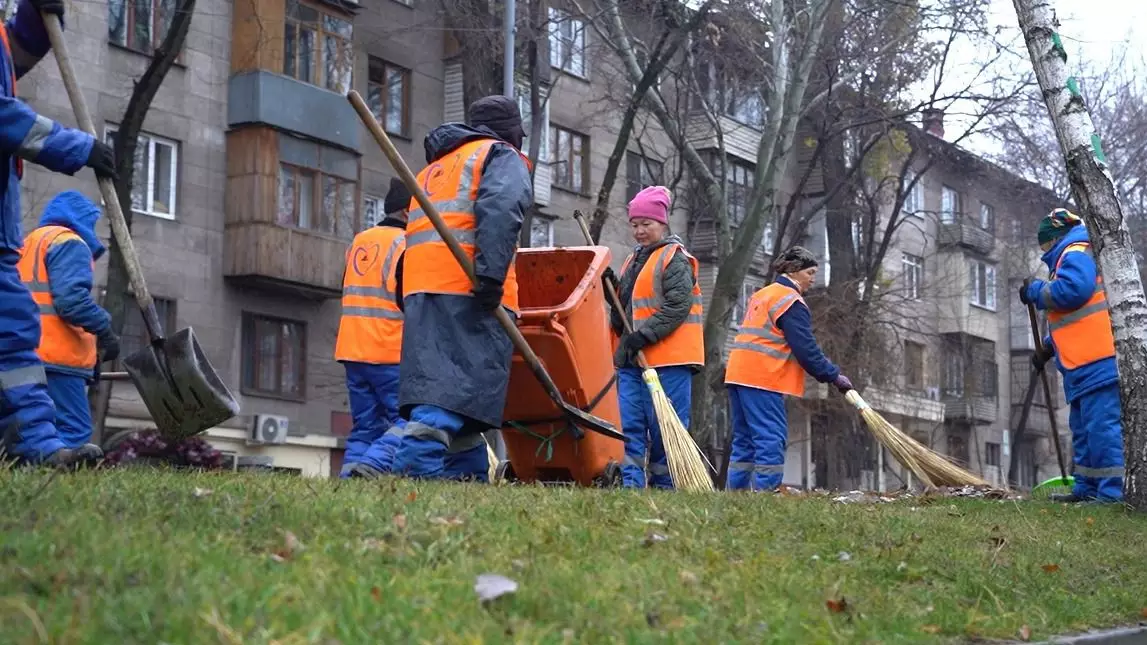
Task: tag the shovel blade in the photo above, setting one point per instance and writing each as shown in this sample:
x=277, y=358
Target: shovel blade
x=589, y=422
x=181, y=390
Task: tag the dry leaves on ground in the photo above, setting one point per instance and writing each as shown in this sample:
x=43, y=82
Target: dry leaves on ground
x=1050, y=568
x=291, y=546
x=1025, y=633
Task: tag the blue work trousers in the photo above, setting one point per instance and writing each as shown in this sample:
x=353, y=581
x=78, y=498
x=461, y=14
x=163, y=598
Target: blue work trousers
x=69, y=394
x=1097, y=444
x=373, y=393
x=760, y=437
x=644, y=446
x=432, y=446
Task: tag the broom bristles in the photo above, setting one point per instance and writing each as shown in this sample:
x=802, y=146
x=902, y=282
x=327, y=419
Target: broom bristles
x=931, y=467
x=686, y=461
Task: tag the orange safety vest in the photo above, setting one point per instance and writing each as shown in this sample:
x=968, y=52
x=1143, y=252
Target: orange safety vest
x=452, y=184
x=12, y=71
x=761, y=357
x=370, y=330
x=1082, y=336
x=60, y=343
x=686, y=345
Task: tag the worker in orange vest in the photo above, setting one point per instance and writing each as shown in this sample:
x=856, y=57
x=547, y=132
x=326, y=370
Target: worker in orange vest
x=772, y=351
x=369, y=343
x=455, y=355
x=57, y=265
x=1082, y=342
x=660, y=294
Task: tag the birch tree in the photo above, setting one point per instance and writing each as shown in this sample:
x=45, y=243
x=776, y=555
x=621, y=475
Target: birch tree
x=1099, y=203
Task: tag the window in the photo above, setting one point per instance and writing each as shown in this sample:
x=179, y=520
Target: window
x=983, y=283
x=738, y=186
x=913, y=365
x=317, y=47
x=371, y=211
x=949, y=205
x=541, y=231
x=1017, y=231
x=640, y=172
x=309, y=199
x=913, y=267
x=570, y=161
x=914, y=195
x=567, y=42
x=741, y=307
x=135, y=336
x=522, y=93
x=727, y=92
x=139, y=25
x=987, y=218
x=153, y=187
x=274, y=356
x=388, y=95
x=958, y=448
x=991, y=453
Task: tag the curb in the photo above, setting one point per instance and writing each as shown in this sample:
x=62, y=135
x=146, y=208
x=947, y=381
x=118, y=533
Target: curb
x=1136, y=635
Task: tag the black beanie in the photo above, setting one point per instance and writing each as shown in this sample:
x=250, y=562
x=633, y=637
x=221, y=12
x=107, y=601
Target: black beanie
x=397, y=198
x=501, y=115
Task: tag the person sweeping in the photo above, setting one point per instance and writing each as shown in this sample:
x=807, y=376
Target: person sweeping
x=660, y=294
x=1081, y=341
x=772, y=351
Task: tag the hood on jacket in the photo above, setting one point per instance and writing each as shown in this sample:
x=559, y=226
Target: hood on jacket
x=78, y=213
x=1076, y=234
x=449, y=136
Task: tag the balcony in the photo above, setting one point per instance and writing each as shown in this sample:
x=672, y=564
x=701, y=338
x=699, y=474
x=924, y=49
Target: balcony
x=965, y=232
x=976, y=410
x=969, y=379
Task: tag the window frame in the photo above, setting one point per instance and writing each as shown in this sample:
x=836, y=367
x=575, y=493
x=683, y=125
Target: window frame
x=641, y=163
x=318, y=187
x=383, y=66
x=379, y=207
x=560, y=58
x=319, y=48
x=992, y=453
x=251, y=358
x=914, y=196
x=737, y=212
x=990, y=212
x=977, y=267
x=921, y=367
x=148, y=198
x=912, y=270
x=557, y=177
x=522, y=96
x=549, y=232
x=951, y=202
x=129, y=20
x=750, y=286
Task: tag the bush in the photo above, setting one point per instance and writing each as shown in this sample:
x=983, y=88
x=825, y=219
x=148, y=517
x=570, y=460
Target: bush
x=150, y=446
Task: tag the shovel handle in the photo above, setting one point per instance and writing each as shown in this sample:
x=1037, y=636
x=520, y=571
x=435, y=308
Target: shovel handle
x=404, y=173
x=107, y=186
x=1034, y=321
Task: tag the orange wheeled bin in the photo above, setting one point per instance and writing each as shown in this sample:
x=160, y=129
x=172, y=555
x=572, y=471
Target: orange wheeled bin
x=565, y=321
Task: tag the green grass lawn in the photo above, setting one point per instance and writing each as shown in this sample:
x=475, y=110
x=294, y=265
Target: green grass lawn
x=135, y=556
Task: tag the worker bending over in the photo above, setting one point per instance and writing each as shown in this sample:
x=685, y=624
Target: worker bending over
x=1082, y=342
x=369, y=342
x=455, y=354
x=661, y=296
x=771, y=353
x=57, y=266
x=27, y=416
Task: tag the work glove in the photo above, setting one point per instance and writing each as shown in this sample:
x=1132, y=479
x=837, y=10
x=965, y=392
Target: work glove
x=55, y=7
x=1029, y=291
x=611, y=277
x=843, y=383
x=102, y=160
x=1040, y=358
x=488, y=294
x=628, y=348
x=108, y=344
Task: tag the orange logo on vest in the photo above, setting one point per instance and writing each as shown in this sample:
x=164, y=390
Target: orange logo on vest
x=370, y=330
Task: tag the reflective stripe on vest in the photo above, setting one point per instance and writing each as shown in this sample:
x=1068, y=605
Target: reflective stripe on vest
x=12, y=74
x=761, y=357
x=686, y=344
x=370, y=330
x=60, y=343
x=1081, y=336
x=451, y=183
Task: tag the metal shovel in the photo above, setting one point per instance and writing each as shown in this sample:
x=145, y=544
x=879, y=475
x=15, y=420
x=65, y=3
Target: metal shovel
x=577, y=416
x=175, y=380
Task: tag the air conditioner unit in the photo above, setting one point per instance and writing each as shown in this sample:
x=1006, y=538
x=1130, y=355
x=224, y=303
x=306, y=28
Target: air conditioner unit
x=270, y=428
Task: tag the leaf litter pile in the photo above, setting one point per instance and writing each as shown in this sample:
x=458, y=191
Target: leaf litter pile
x=158, y=556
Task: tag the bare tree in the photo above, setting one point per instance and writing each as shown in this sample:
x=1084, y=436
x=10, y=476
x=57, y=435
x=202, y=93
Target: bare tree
x=1095, y=193
x=117, y=298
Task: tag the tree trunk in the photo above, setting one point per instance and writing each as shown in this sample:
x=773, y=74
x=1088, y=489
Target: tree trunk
x=1095, y=194
x=116, y=296
x=537, y=108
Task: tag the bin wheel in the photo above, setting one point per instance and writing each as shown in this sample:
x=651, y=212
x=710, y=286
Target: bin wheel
x=505, y=472
x=610, y=477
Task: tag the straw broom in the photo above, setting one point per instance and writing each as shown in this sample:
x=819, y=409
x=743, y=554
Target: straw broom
x=687, y=464
x=931, y=467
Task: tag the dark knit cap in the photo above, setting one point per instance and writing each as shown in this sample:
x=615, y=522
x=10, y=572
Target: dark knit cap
x=797, y=258
x=501, y=115
x=1056, y=224
x=397, y=198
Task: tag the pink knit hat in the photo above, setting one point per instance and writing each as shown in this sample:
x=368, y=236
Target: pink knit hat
x=651, y=203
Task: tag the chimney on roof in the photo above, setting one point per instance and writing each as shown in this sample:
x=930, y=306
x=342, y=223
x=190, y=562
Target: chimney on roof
x=932, y=120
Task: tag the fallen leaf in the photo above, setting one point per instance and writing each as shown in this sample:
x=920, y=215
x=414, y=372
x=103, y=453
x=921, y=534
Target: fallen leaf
x=201, y=492
x=412, y=496
x=291, y=542
x=654, y=538
x=916, y=538
x=400, y=522
x=489, y=586
x=1090, y=521
x=688, y=577
x=1050, y=568
x=518, y=565
x=654, y=521
x=836, y=605
x=931, y=629
x=844, y=556
x=1143, y=612
x=903, y=566
x=1025, y=633
x=447, y=521
x=376, y=593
